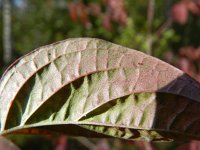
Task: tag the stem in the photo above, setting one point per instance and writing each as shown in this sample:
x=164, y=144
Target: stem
x=150, y=17
x=87, y=143
x=163, y=27
x=7, y=31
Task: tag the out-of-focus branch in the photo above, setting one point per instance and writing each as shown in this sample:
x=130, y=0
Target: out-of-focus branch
x=87, y=143
x=163, y=27
x=7, y=49
x=150, y=17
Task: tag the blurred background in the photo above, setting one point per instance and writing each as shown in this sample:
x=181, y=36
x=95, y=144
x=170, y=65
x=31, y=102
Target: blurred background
x=167, y=29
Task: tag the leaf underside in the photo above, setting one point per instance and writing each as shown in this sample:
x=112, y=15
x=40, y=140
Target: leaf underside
x=94, y=88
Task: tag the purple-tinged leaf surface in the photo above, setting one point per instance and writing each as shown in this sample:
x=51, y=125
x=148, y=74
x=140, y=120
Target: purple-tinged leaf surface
x=90, y=87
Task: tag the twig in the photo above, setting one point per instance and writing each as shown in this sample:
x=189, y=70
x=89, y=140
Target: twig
x=87, y=143
x=148, y=146
x=150, y=17
x=7, y=31
x=163, y=27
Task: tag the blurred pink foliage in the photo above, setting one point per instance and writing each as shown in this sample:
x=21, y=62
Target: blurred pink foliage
x=189, y=61
x=180, y=10
x=193, y=145
x=114, y=12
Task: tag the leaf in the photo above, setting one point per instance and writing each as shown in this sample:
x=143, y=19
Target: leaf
x=7, y=145
x=93, y=88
